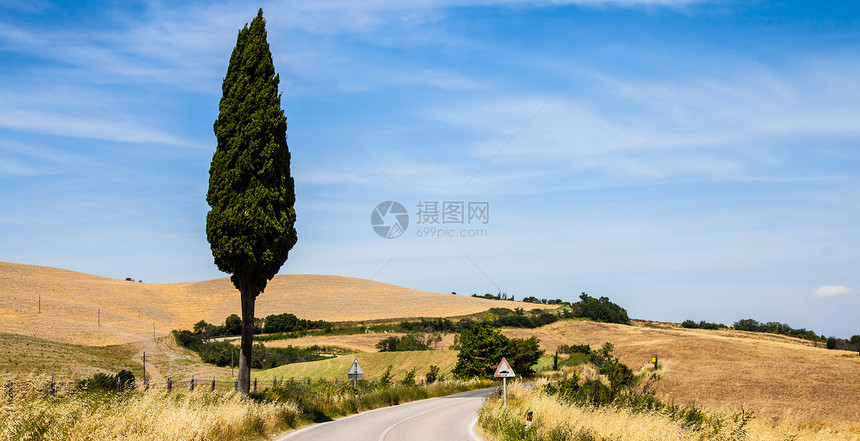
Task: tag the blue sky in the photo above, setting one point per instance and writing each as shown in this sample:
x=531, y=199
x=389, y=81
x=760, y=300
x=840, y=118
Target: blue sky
x=688, y=159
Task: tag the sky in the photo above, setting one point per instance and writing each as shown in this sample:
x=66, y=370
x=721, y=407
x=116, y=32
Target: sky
x=687, y=159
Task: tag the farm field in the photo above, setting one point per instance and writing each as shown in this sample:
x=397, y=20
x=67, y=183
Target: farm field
x=777, y=377
x=84, y=309
x=373, y=364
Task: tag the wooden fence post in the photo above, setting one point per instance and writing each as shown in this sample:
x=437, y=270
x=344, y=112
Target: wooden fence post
x=9, y=390
x=169, y=384
x=192, y=382
x=213, y=384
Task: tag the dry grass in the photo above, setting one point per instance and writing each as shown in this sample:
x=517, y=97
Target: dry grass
x=612, y=423
x=132, y=311
x=779, y=378
x=24, y=355
x=154, y=415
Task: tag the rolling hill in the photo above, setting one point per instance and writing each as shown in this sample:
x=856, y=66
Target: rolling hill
x=79, y=308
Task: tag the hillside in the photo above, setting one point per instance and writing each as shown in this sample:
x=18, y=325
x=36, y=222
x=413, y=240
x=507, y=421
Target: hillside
x=774, y=376
x=84, y=309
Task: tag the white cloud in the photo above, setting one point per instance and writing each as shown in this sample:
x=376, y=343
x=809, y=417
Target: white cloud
x=832, y=291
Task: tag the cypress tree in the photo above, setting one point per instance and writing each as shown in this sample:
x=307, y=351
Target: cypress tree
x=250, y=226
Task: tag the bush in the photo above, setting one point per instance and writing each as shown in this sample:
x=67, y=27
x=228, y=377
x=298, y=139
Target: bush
x=432, y=375
x=408, y=342
x=108, y=383
x=217, y=353
x=600, y=310
x=482, y=347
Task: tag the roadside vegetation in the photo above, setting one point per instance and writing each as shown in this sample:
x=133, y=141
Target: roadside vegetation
x=101, y=413
x=603, y=400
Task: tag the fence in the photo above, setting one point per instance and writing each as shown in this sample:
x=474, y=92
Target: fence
x=50, y=387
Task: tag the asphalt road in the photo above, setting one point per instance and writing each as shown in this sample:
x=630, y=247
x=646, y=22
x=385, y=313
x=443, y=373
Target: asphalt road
x=437, y=419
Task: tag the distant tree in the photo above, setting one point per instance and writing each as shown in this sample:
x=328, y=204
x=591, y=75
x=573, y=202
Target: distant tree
x=855, y=340
x=250, y=227
x=832, y=342
x=233, y=324
x=482, y=347
x=601, y=310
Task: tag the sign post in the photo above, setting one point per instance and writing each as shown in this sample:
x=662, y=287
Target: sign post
x=504, y=371
x=354, y=374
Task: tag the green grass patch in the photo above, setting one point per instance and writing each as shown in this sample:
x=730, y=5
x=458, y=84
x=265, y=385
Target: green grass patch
x=372, y=364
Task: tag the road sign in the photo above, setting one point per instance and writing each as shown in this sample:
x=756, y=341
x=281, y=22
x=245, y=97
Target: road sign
x=355, y=371
x=504, y=370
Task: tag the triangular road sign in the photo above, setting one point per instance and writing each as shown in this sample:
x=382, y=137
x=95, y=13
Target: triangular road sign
x=504, y=370
x=355, y=371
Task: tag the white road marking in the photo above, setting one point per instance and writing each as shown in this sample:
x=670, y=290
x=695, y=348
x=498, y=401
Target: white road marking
x=382, y=437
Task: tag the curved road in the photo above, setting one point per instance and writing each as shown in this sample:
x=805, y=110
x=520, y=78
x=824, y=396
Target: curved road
x=450, y=418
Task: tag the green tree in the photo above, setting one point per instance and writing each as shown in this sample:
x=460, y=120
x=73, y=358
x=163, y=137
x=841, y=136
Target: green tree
x=483, y=346
x=481, y=349
x=233, y=325
x=250, y=227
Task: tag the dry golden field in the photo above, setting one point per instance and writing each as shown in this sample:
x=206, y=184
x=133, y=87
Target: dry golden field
x=779, y=378
x=79, y=308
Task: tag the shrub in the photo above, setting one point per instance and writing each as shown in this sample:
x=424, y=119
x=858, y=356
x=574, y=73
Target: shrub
x=601, y=310
x=108, y=383
x=408, y=342
x=432, y=375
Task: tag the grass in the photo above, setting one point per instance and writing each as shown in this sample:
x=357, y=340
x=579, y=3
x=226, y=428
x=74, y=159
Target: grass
x=73, y=415
x=24, y=355
x=555, y=420
x=73, y=304
x=372, y=364
x=155, y=415
x=777, y=377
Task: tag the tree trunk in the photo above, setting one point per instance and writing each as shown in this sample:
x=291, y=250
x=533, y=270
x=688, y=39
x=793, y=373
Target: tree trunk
x=249, y=296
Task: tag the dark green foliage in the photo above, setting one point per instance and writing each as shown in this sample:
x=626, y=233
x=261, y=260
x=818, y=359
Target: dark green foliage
x=432, y=375
x=385, y=380
x=408, y=342
x=831, y=342
x=600, y=310
x=572, y=349
x=482, y=347
x=290, y=323
x=409, y=378
x=251, y=225
x=523, y=354
x=217, y=353
x=108, y=383
x=266, y=358
x=855, y=340
x=533, y=299
x=233, y=325
x=701, y=325
x=775, y=328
